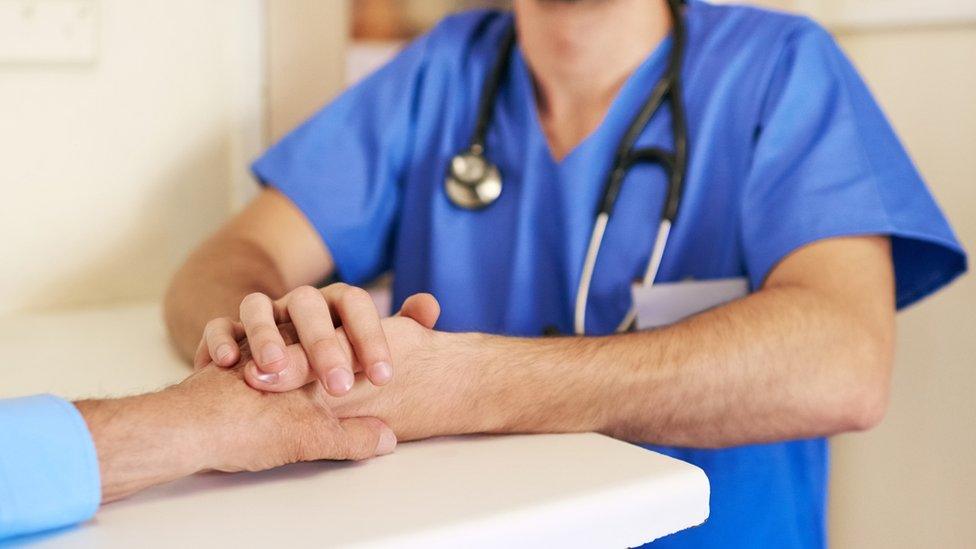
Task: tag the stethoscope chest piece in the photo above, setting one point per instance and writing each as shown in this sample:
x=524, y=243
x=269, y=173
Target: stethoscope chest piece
x=472, y=181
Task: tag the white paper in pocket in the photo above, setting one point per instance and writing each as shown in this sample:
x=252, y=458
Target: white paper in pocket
x=669, y=302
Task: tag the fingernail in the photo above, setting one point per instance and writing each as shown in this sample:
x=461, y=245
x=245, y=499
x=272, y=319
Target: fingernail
x=381, y=372
x=269, y=378
x=387, y=443
x=223, y=353
x=339, y=380
x=271, y=353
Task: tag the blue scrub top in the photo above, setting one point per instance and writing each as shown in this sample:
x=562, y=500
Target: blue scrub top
x=787, y=147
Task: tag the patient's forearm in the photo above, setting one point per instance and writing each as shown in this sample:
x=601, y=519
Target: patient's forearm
x=212, y=283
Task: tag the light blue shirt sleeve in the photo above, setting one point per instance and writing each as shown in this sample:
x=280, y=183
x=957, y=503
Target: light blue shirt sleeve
x=48, y=466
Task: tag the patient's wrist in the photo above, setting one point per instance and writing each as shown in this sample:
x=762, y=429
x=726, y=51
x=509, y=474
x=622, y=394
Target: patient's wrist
x=142, y=441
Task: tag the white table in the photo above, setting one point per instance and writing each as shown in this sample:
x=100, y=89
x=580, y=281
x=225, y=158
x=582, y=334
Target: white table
x=583, y=490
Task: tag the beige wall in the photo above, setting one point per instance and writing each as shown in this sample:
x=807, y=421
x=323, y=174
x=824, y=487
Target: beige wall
x=109, y=171
x=306, y=59
x=912, y=481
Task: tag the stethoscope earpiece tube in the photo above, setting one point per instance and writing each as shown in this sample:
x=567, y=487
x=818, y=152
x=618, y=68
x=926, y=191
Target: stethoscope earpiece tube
x=489, y=90
x=679, y=124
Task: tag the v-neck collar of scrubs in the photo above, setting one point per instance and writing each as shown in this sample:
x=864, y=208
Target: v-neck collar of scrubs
x=622, y=110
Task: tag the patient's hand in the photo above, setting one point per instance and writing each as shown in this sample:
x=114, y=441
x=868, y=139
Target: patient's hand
x=213, y=420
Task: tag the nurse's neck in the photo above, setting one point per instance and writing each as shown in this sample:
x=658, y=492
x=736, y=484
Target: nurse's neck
x=580, y=53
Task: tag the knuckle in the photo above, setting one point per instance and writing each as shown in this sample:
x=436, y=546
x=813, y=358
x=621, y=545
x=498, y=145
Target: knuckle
x=216, y=327
x=359, y=293
x=304, y=300
x=306, y=293
x=338, y=286
x=211, y=324
x=253, y=299
x=353, y=296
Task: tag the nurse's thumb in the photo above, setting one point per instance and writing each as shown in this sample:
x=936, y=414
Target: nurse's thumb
x=423, y=308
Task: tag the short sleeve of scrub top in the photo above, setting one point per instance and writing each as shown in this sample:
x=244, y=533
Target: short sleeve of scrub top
x=342, y=166
x=827, y=164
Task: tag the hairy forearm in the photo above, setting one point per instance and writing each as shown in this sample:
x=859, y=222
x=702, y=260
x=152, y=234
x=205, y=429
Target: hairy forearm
x=142, y=441
x=212, y=283
x=783, y=363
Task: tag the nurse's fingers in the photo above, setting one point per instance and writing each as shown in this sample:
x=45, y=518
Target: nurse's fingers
x=422, y=308
x=267, y=346
x=309, y=313
x=220, y=340
x=361, y=322
x=298, y=374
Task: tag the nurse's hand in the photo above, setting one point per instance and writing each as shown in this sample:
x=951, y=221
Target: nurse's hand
x=435, y=391
x=315, y=314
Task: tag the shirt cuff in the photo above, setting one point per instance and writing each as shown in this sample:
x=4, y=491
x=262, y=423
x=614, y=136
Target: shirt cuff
x=48, y=466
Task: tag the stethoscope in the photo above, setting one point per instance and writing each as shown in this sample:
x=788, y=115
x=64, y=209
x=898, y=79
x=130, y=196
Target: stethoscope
x=473, y=182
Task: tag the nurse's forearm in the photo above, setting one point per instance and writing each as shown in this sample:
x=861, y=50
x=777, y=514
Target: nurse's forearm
x=269, y=247
x=786, y=362
x=774, y=366
x=212, y=283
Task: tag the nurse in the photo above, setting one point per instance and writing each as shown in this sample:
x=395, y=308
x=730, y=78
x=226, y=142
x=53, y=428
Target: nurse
x=794, y=180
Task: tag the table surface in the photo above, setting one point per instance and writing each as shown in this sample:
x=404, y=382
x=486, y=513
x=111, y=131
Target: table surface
x=578, y=490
